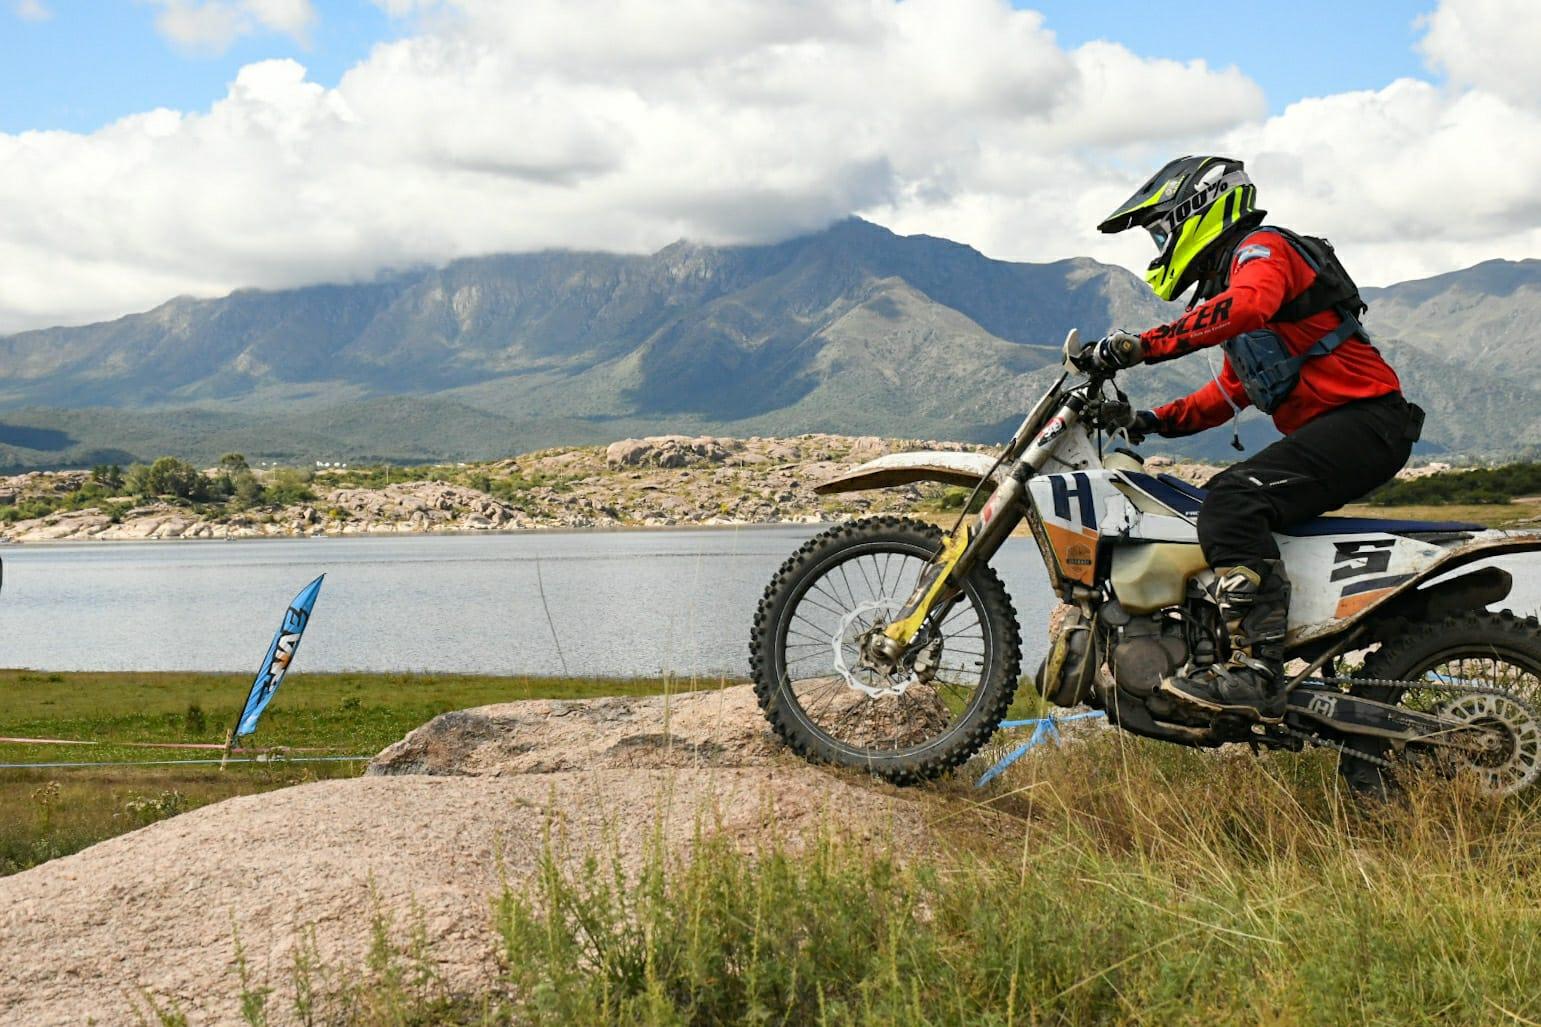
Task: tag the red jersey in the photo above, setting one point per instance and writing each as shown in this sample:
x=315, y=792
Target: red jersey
x=1266, y=272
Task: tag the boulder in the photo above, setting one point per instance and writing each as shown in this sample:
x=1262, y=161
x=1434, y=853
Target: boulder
x=77, y=524
x=721, y=728
x=669, y=451
x=869, y=447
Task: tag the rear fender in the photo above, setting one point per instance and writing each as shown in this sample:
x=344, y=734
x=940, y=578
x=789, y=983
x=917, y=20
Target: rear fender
x=1422, y=598
x=1473, y=590
x=895, y=469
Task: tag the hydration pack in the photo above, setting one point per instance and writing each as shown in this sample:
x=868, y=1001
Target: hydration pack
x=1267, y=369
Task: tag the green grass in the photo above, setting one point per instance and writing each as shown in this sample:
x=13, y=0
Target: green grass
x=1118, y=881
x=1112, y=881
x=51, y=812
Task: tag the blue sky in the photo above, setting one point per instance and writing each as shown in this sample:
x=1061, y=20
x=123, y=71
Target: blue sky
x=1295, y=49
x=94, y=61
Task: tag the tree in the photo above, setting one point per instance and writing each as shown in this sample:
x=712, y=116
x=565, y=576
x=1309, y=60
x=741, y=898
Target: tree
x=109, y=476
x=246, y=489
x=167, y=476
x=233, y=463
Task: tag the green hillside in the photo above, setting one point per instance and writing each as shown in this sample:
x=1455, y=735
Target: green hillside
x=852, y=330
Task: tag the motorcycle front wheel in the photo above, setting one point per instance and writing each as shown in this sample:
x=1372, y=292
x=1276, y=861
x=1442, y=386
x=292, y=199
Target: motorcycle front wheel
x=910, y=724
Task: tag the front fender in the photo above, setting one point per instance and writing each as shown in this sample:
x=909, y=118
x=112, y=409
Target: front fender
x=886, y=472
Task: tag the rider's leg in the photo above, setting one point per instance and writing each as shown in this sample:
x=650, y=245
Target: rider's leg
x=1336, y=458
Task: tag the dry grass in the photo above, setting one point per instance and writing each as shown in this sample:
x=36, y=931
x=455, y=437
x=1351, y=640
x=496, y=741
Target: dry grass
x=1115, y=881
x=1493, y=515
x=52, y=812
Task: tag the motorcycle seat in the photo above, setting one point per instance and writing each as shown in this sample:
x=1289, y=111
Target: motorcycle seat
x=1192, y=497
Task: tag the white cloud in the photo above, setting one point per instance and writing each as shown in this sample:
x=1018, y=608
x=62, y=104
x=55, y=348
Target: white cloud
x=1416, y=178
x=625, y=124
x=1491, y=45
x=32, y=10
x=210, y=26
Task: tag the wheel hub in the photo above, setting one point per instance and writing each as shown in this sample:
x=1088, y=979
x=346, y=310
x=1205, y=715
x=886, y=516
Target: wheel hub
x=876, y=656
x=1508, y=747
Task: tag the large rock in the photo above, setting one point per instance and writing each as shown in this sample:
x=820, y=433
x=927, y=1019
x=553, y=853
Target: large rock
x=721, y=728
x=463, y=804
x=868, y=447
x=153, y=914
x=76, y=524
x=423, y=504
x=669, y=451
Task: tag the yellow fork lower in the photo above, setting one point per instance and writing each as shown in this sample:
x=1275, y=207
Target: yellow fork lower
x=932, y=587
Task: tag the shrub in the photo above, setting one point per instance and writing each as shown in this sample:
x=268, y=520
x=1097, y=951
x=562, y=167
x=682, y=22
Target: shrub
x=288, y=485
x=245, y=490
x=1480, y=485
x=167, y=476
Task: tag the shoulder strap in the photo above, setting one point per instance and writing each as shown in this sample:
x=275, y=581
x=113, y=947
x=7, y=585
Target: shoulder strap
x=1332, y=290
x=1347, y=329
x=1349, y=324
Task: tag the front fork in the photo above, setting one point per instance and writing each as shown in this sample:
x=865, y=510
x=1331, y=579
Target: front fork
x=971, y=543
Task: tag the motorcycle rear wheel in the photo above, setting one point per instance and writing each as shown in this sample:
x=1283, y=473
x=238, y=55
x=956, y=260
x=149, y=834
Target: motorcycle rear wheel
x=1495, y=649
x=830, y=708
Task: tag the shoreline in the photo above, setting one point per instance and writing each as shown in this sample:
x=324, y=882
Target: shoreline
x=660, y=483
x=334, y=536
x=1495, y=516
x=665, y=482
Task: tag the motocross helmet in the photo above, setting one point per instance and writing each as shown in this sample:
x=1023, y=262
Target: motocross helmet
x=1187, y=207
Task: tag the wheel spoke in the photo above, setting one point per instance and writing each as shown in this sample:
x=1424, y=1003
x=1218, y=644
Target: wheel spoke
x=858, y=708
x=1493, y=692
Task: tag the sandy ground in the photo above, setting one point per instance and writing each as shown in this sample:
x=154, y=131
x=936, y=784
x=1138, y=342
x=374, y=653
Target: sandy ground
x=460, y=805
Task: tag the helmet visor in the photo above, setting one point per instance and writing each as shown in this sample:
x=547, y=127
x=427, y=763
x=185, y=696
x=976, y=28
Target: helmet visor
x=1161, y=230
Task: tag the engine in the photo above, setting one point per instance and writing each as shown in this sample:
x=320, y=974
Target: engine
x=1145, y=648
x=1138, y=649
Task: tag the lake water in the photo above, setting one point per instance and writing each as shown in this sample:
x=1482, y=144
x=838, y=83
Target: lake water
x=627, y=602
x=623, y=603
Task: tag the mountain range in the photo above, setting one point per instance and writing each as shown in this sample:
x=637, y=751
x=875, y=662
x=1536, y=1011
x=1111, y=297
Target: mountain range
x=853, y=329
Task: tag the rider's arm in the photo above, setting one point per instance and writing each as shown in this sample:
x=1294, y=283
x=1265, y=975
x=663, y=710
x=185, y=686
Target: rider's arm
x=1205, y=408
x=1263, y=272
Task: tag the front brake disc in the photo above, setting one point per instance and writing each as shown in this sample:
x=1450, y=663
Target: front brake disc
x=838, y=641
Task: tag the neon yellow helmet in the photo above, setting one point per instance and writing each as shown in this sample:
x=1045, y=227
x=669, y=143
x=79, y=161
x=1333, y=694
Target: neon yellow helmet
x=1187, y=206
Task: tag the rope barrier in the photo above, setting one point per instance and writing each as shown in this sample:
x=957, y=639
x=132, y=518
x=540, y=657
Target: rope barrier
x=173, y=763
x=1044, y=728
x=216, y=746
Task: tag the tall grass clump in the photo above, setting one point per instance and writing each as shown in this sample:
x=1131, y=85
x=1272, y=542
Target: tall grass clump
x=1119, y=882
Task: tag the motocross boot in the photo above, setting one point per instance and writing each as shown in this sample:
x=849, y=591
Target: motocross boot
x=1256, y=611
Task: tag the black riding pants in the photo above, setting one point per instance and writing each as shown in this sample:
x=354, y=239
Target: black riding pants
x=1334, y=459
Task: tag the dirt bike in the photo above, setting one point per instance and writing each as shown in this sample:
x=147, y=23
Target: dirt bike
x=888, y=645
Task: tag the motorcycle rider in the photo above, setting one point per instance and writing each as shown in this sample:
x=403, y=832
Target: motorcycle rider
x=1287, y=315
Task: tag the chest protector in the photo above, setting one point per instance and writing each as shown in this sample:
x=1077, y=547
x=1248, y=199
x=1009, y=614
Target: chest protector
x=1267, y=369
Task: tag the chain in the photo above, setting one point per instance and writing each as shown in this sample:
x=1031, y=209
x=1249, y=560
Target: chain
x=1422, y=686
x=1311, y=738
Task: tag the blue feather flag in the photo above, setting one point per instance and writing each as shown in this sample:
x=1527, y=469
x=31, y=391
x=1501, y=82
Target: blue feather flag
x=279, y=658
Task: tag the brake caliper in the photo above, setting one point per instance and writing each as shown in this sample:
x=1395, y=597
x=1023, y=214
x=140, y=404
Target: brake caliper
x=888, y=647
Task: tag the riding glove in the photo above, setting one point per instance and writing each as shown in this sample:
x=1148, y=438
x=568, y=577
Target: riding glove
x=1145, y=422
x=1113, y=351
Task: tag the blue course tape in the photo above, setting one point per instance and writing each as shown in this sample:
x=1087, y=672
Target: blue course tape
x=1044, y=728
